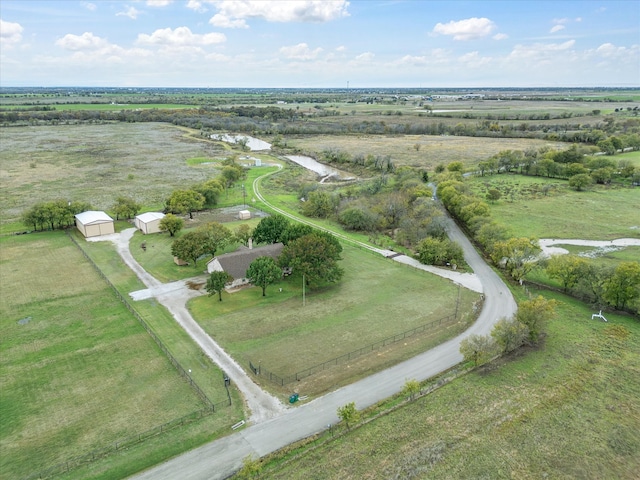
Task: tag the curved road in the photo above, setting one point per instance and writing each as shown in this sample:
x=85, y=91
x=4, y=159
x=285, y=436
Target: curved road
x=221, y=458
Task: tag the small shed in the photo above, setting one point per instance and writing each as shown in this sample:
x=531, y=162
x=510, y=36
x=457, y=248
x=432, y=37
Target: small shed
x=148, y=222
x=179, y=261
x=94, y=223
x=244, y=214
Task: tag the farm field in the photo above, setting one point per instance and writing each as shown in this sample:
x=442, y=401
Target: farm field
x=433, y=150
x=79, y=371
x=566, y=410
x=599, y=213
x=376, y=299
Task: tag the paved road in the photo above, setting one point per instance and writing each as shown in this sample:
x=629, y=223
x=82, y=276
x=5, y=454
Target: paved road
x=221, y=458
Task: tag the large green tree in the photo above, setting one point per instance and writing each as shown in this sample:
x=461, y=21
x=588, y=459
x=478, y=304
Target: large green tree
x=509, y=334
x=478, y=349
x=216, y=283
x=126, y=207
x=623, y=286
x=243, y=233
x=189, y=246
x=315, y=256
x=535, y=313
x=319, y=204
x=567, y=269
x=170, y=223
x=185, y=201
x=216, y=237
x=264, y=271
x=270, y=229
x=518, y=255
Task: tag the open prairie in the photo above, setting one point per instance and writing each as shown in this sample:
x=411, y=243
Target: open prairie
x=98, y=163
x=426, y=151
x=598, y=213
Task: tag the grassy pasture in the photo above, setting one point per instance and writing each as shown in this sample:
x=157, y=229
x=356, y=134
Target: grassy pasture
x=600, y=213
x=78, y=370
x=97, y=163
x=634, y=157
x=566, y=410
x=433, y=150
x=377, y=298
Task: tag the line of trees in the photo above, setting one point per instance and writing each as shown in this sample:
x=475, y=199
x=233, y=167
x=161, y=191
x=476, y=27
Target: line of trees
x=565, y=164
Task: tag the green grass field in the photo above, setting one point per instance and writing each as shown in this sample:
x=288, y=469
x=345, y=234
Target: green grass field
x=600, y=213
x=376, y=299
x=78, y=370
x=568, y=409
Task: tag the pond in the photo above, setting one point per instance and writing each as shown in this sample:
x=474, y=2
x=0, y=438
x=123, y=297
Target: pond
x=317, y=167
x=252, y=142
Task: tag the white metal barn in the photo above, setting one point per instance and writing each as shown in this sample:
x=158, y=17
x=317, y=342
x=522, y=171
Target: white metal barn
x=148, y=222
x=94, y=223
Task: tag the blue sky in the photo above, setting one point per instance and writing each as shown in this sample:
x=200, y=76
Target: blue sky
x=311, y=43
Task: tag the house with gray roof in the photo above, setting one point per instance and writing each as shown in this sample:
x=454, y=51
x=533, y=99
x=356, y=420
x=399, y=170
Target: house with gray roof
x=237, y=263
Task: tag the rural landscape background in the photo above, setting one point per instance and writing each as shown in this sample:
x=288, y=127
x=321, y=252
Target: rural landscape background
x=66, y=344
x=362, y=130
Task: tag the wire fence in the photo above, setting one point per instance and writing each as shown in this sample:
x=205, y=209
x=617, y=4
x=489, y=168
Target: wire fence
x=183, y=373
x=97, y=454
x=210, y=407
x=283, y=380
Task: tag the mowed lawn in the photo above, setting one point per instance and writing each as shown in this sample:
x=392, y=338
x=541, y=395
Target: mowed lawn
x=568, y=409
x=78, y=370
x=376, y=299
x=599, y=213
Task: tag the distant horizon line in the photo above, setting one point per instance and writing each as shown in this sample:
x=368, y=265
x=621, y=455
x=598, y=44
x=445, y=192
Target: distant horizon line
x=540, y=87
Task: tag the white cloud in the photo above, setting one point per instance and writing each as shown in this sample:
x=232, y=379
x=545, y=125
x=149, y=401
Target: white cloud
x=181, y=37
x=300, y=51
x=10, y=33
x=365, y=57
x=539, y=51
x=474, y=60
x=235, y=12
x=158, y=3
x=500, y=36
x=610, y=52
x=86, y=41
x=556, y=28
x=89, y=6
x=413, y=60
x=341, y=48
x=196, y=5
x=560, y=21
x=130, y=12
x=222, y=21
x=469, y=29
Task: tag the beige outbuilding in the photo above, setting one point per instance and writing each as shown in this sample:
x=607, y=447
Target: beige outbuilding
x=148, y=222
x=94, y=223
